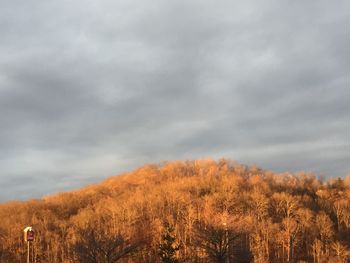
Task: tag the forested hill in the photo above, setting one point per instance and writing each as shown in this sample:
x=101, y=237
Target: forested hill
x=193, y=211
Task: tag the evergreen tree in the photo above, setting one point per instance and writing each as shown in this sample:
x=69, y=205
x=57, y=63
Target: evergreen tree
x=168, y=247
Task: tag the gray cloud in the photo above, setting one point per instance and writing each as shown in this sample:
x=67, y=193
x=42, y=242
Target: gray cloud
x=90, y=89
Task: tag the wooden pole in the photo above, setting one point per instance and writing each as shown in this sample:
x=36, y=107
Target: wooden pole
x=28, y=252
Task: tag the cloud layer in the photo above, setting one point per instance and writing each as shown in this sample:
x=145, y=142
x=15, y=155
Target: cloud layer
x=91, y=88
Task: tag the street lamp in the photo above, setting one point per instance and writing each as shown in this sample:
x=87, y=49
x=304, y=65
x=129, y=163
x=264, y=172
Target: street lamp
x=29, y=236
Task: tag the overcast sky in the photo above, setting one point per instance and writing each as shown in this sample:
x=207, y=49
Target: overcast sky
x=93, y=88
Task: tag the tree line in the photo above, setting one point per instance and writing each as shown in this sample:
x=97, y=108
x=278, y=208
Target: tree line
x=186, y=211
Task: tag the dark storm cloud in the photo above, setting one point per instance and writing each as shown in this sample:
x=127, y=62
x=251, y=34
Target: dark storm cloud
x=90, y=89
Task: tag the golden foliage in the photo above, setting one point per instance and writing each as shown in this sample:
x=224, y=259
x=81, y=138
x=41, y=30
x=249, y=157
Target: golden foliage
x=220, y=210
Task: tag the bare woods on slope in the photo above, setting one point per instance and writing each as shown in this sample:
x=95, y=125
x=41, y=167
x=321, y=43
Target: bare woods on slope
x=186, y=211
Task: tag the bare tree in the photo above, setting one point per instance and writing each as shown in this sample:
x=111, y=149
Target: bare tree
x=93, y=247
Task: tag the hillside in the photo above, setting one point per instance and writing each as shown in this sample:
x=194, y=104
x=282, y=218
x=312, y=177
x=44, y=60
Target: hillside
x=186, y=211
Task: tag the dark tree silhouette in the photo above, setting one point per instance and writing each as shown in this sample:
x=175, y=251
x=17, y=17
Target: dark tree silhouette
x=168, y=246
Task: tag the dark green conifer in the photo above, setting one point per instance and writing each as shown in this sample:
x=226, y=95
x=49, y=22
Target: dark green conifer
x=168, y=247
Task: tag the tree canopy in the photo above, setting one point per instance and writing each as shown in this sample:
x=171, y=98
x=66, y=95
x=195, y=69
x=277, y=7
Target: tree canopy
x=186, y=211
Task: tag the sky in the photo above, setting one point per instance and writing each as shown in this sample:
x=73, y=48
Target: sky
x=94, y=88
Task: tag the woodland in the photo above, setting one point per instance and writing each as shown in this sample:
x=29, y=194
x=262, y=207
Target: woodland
x=186, y=211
